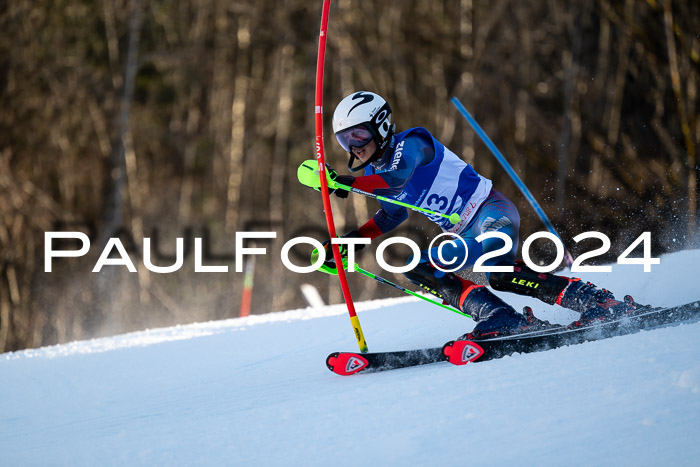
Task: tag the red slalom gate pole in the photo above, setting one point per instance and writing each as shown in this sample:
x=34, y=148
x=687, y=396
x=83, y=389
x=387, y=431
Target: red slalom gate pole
x=247, y=295
x=320, y=157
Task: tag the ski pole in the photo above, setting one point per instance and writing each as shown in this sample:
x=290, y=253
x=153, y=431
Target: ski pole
x=514, y=176
x=453, y=218
x=381, y=280
x=308, y=175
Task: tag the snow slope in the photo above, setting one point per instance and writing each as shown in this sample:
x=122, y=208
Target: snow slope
x=255, y=391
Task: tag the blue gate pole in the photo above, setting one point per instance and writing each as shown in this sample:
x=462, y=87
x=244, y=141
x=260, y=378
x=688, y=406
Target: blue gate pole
x=502, y=160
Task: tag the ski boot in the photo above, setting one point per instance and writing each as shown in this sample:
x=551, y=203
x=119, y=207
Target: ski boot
x=492, y=315
x=536, y=324
x=608, y=310
x=571, y=293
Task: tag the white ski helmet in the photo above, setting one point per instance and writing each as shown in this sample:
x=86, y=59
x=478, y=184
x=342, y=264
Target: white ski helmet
x=360, y=118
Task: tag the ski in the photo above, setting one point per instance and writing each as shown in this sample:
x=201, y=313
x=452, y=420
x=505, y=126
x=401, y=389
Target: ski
x=463, y=350
x=348, y=363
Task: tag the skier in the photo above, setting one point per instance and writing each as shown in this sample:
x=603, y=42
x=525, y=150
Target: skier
x=414, y=167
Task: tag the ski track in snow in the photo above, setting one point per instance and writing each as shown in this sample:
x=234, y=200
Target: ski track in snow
x=255, y=391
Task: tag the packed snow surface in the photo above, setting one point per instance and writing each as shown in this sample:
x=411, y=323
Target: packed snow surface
x=255, y=391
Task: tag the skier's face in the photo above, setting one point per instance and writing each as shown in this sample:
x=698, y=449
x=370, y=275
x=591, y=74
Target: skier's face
x=365, y=152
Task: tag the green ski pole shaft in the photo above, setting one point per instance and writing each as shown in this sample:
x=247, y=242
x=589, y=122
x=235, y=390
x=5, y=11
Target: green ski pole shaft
x=454, y=218
x=407, y=291
x=308, y=174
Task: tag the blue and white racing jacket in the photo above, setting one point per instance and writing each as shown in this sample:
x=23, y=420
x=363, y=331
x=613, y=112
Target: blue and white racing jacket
x=419, y=170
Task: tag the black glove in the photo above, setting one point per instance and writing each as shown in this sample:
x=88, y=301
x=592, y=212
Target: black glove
x=329, y=266
x=342, y=179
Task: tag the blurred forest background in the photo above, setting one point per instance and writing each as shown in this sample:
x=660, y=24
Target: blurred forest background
x=166, y=119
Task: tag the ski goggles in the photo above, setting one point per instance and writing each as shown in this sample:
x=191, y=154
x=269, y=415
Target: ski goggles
x=357, y=136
